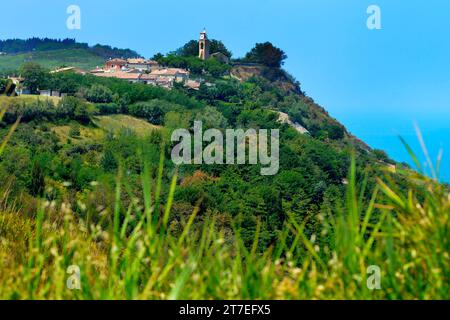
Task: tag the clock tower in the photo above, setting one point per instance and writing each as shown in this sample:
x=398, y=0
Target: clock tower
x=203, y=46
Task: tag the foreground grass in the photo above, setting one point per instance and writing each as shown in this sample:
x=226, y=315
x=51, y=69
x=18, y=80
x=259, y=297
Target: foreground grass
x=139, y=257
x=133, y=252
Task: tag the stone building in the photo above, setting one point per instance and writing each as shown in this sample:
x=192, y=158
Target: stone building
x=142, y=64
x=221, y=57
x=203, y=45
x=115, y=64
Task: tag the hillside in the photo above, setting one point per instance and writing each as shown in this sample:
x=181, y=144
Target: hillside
x=89, y=180
x=314, y=148
x=278, y=77
x=53, y=53
x=116, y=123
x=80, y=58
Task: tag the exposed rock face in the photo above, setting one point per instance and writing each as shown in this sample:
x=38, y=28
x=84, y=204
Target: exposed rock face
x=278, y=77
x=284, y=118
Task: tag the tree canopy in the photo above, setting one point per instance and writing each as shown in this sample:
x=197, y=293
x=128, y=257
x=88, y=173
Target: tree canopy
x=35, y=76
x=266, y=54
x=190, y=49
x=45, y=44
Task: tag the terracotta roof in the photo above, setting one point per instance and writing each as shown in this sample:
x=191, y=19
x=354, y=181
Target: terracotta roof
x=146, y=76
x=170, y=72
x=134, y=71
x=117, y=61
x=136, y=60
x=193, y=84
x=142, y=61
x=164, y=80
x=120, y=75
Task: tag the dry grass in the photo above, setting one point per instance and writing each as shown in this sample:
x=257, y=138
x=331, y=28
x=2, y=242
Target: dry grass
x=25, y=98
x=116, y=123
x=87, y=134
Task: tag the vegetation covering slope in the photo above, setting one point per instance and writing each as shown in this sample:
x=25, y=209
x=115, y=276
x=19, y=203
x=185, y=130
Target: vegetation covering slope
x=142, y=256
x=80, y=191
x=15, y=46
x=79, y=58
x=54, y=53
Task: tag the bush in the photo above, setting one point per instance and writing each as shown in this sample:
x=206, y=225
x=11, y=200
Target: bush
x=99, y=94
x=35, y=110
x=150, y=111
x=266, y=54
x=74, y=108
x=35, y=76
x=108, y=108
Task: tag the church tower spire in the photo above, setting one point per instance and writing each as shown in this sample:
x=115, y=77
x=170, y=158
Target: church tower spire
x=203, y=52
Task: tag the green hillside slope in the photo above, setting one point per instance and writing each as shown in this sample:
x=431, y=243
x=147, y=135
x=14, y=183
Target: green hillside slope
x=79, y=58
x=88, y=180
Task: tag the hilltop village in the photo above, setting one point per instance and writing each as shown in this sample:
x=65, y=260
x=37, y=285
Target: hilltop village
x=197, y=62
x=141, y=70
x=149, y=72
x=136, y=70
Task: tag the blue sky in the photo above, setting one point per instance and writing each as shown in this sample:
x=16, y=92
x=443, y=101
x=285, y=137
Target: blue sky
x=377, y=82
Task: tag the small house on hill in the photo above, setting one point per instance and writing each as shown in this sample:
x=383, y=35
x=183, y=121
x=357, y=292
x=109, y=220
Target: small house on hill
x=221, y=57
x=52, y=93
x=131, y=77
x=115, y=64
x=177, y=74
x=142, y=64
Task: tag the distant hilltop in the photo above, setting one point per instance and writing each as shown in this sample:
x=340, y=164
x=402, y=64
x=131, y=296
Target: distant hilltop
x=18, y=46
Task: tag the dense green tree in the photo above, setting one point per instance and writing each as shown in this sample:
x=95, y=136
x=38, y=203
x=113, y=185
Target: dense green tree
x=211, y=118
x=266, y=54
x=218, y=46
x=150, y=111
x=35, y=76
x=190, y=49
x=158, y=56
x=74, y=108
x=99, y=94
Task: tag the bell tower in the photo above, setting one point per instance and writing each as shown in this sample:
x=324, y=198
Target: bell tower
x=203, y=46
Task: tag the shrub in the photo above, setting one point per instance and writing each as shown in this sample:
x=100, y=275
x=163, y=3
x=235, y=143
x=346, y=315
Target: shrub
x=150, y=111
x=74, y=108
x=35, y=76
x=99, y=94
x=266, y=54
x=108, y=108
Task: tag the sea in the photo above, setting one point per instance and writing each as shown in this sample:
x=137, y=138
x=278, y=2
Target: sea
x=380, y=128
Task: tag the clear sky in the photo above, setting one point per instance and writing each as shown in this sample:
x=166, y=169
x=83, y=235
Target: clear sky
x=375, y=81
